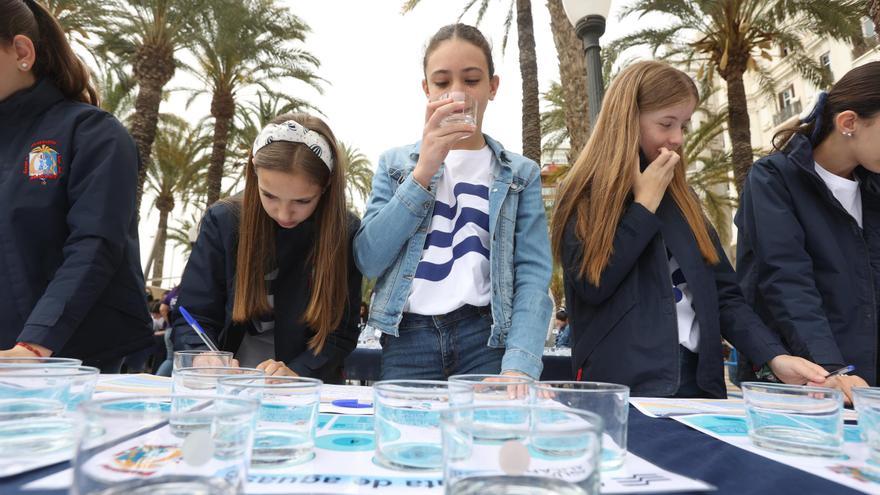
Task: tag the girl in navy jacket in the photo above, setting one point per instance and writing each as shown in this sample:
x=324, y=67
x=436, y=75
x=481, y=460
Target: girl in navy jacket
x=70, y=276
x=271, y=276
x=648, y=288
x=808, y=253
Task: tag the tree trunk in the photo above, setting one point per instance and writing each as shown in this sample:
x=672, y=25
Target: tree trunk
x=572, y=78
x=153, y=68
x=738, y=126
x=161, y=240
x=874, y=13
x=223, y=110
x=528, y=66
x=150, y=261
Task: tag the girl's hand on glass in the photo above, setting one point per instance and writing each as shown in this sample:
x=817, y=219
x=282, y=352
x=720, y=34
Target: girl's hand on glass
x=514, y=391
x=275, y=368
x=438, y=139
x=844, y=383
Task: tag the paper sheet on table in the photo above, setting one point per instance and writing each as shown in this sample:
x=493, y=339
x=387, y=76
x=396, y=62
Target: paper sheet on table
x=343, y=463
x=853, y=471
x=655, y=407
x=141, y=383
x=362, y=395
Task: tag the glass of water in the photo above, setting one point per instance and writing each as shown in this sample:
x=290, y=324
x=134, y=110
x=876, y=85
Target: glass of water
x=198, y=381
x=467, y=115
x=407, y=421
x=609, y=401
x=137, y=454
x=794, y=419
x=544, y=450
x=867, y=403
x=34, y=403
x=201, y=359
x=287, y=420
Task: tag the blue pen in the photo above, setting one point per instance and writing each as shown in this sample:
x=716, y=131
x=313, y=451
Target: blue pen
x=352, y=403
x=842, y=371
x=199, y=331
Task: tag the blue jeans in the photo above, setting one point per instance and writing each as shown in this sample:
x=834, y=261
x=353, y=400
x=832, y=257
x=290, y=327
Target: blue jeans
x=437, y=347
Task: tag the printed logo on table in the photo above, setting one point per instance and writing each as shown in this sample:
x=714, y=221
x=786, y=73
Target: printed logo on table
x=43, y=162
x=144, y=460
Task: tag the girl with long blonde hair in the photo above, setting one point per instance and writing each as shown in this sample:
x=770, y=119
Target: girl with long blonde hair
x=649, y=290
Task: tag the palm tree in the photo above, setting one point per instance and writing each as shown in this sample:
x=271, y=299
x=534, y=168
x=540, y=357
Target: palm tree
x=528, y=65
x=177, y=174
x=80, y=19
x=554, y=128
x=359, y=175
x=147, y=34
x=573, y=77
x=116, y=86
x=245, y=43
x=727, y=36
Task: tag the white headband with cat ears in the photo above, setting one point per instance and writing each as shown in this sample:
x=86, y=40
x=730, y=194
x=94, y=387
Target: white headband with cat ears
x=294, y=132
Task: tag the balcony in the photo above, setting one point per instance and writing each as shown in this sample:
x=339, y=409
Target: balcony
x=787, y=113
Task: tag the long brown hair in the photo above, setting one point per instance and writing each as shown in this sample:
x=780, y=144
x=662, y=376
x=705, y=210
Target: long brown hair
x=596, y=189
x=858, y=90
x=256, y=236
x=55, y=59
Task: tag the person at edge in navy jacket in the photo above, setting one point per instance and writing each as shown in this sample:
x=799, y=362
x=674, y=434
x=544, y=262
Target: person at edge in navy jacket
x=70, y=275
x=808, y=253
x=649, y=291
x=271, y=276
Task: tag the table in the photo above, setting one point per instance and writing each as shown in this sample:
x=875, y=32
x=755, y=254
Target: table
x=665, y=442
x=364, y=364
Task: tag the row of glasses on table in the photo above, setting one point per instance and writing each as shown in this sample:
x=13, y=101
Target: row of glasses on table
x=220, y=420
x=493, y=434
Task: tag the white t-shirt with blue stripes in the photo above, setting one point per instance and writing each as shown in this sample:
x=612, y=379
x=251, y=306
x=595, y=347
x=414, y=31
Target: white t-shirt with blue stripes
x=454, y=269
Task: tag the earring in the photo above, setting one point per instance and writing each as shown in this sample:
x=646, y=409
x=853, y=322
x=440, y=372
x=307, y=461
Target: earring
x=24, y=65
x=847, y=134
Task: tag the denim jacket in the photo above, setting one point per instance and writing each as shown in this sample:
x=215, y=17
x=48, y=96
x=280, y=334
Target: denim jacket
x=390, y=241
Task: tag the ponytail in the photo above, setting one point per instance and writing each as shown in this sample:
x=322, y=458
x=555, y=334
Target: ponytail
x=55, y=59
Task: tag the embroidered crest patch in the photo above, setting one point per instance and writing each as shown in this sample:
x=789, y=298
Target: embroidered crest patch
x=43, y=162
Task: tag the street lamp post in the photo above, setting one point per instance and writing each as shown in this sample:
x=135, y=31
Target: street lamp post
x=588, y=19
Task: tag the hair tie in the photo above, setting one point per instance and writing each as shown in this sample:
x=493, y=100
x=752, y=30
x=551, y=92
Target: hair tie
x=294, y=132
x=815, y=114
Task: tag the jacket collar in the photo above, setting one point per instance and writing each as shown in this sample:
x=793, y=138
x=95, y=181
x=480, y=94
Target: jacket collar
x=800, y=151
x=24, y=105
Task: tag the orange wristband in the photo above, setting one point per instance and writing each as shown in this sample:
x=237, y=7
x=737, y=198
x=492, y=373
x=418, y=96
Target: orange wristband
x=30, y=348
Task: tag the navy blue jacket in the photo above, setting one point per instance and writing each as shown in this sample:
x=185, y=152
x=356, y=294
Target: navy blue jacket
x=626, y=329
x=207, y=291
x=70, y=274
x=805, y=265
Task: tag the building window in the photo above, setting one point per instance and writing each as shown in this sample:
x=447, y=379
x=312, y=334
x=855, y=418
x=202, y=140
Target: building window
x=825, y=60
x=783, y=51
x=868, y=28
x=786, y=97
